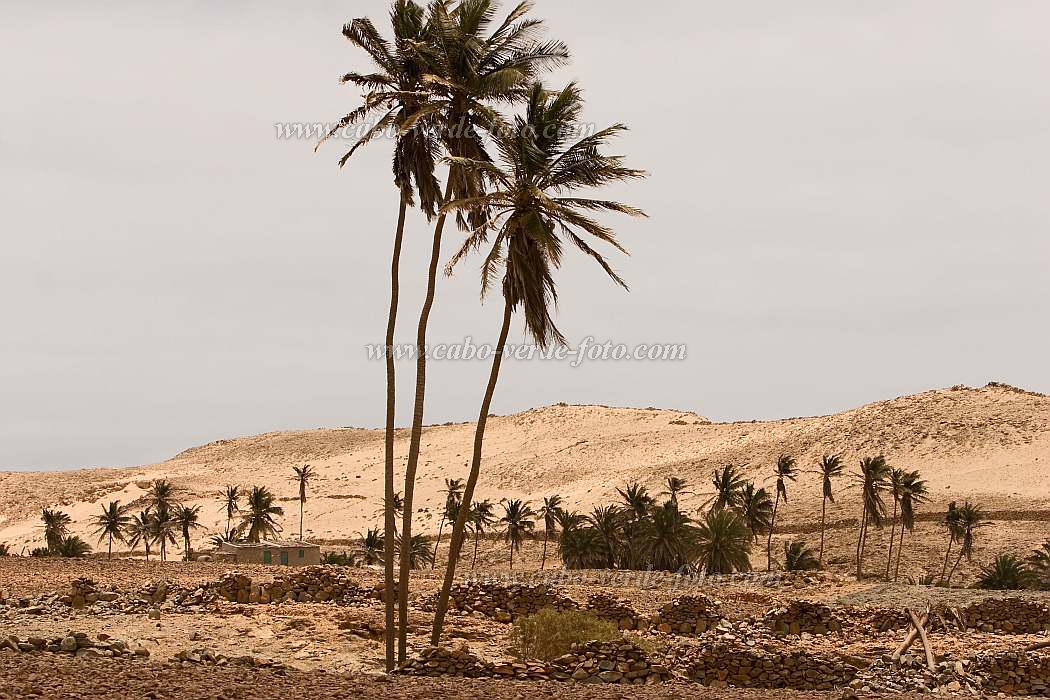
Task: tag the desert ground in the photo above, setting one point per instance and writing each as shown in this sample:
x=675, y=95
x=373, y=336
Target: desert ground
x=989, y=445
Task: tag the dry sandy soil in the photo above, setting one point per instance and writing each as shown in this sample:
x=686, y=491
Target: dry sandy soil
x=991, y=445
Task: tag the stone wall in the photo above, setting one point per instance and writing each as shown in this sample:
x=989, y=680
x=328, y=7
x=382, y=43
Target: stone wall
x=504, y=603
x=722, y=665
x=616, y=609
x=800, y=616
x=1014, y=672
x=75, y=644
x=1010, y=615
x=310, y=584
x=688, y=615
x=620, y=662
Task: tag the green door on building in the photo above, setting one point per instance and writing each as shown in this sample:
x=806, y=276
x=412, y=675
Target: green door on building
x=284, y=558
x=267, y=557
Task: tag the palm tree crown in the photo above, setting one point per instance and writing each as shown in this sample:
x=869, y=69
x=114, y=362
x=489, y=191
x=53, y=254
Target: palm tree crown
x=729, y=485
x=258, y=521
x=56, y=527
x=111, y=525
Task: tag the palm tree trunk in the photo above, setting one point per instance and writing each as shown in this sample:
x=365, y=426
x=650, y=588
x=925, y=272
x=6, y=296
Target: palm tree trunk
x=893, y=536
x=948, y=583
x=900, y=548
x=823, y=520
x=437, y=543
x=390, y=521
x=769, y=542
x=475, y=559
x=301, y=504
x=417, y=431
x=109, y=554
x=543, y=559
x=459, y=528
x=944, y=569
x=860, y=543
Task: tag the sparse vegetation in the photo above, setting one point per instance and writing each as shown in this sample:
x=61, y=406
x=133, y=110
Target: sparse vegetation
x=1006, y=573
x=799, y=557
x=550, y=633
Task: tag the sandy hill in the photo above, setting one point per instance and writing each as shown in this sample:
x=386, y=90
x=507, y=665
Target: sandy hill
x=991, y=444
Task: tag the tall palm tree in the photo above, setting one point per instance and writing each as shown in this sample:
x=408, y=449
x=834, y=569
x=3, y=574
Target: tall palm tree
x=674, y=487
x=140, y=529
x=231, y=503
x=952, y=524
x=302, y=478
x=531, y=218
x=471, y=67
x=723, y=543
x=111, y=524
x=874, y=473
x=896, y=489
x=518, y=523
x=729, y=485
x=608, y=522
x=971, y=519
x=161, y=494
x=481, y=518
x=258, y=521
x=580, y=547
x=914, y=493
x=163, y=527
x=187, y=518
x=785, y=472
x=56, y=527
x=396, y=93
x=636, y=500
x=549, y=512
x=830, y=467
x=453, y=499
x=756, y=509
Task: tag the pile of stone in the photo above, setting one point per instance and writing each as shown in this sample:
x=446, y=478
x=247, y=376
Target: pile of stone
x=619, y=661
x=800, y=616
x=440, y=661
x=723, y=665
x=310, y=584
x=75, y=644
x=209, y=657
x=1014, y=672
x=153, y=592
x=363, y=629
x=610, y=607
x=688, y=615
x=866, y=620
x=910, y=674
x=504, y=603
x=1009, y=615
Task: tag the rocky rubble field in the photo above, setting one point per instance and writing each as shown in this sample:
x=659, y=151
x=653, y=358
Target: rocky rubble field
x=679, y=637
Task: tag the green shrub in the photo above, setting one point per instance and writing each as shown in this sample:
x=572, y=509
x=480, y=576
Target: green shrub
x=40, y=552
x=1006, y=573
x=338, y=559
x=549, y=633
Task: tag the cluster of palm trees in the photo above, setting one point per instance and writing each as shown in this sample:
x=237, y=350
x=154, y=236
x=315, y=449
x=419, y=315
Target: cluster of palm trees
x=164, y=520
x=511, y=183
x=160, y=523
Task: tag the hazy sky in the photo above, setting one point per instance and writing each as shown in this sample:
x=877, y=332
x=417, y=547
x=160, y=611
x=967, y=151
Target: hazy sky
x=849, y=202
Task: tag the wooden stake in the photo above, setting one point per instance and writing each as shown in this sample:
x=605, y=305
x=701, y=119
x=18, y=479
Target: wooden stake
x=913, y=634
x=931, y=660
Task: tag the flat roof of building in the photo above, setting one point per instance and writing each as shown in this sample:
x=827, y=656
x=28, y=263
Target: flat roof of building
x=269, y=543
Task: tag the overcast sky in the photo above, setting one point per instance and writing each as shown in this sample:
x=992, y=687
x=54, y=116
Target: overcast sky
x=848, y=201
